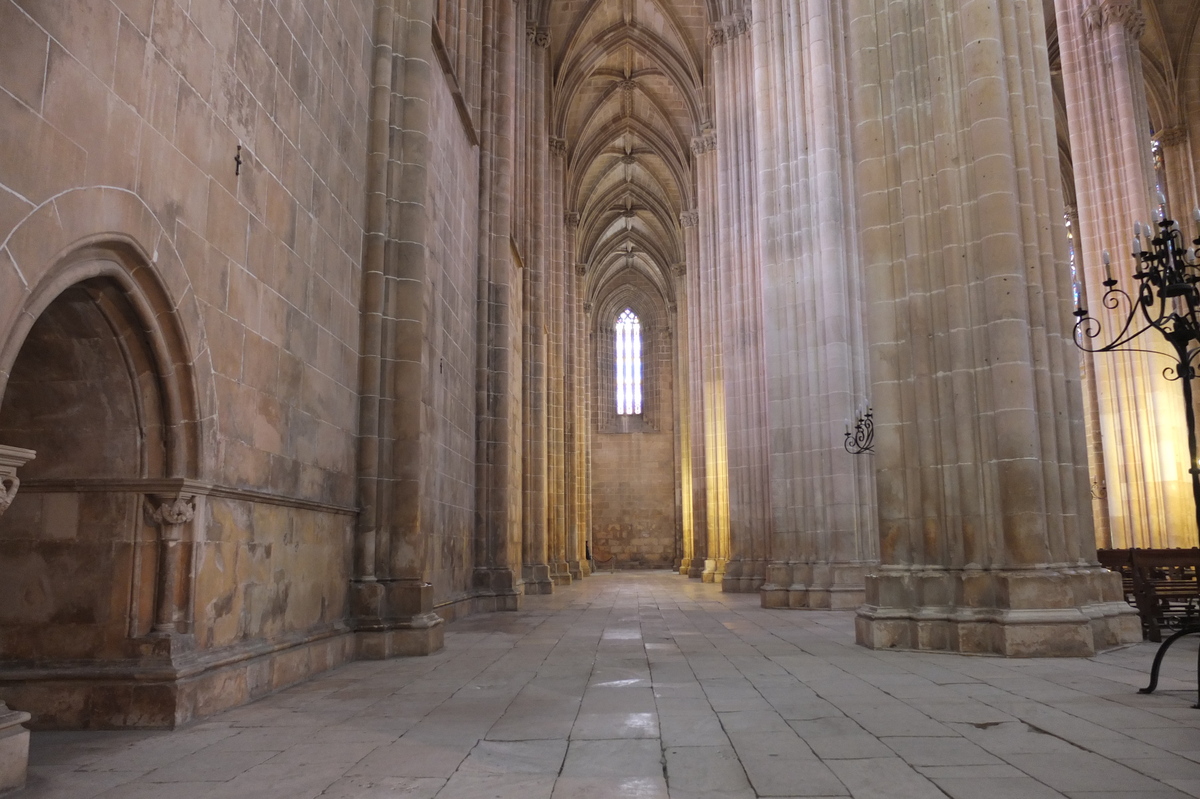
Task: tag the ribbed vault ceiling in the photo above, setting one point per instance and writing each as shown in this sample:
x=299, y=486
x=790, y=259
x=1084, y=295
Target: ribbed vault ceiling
x=628, y=98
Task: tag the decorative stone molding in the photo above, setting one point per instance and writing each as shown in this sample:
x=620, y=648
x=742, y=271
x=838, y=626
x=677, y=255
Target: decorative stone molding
x=679, y=269
x=538, y=37
x=11, y=459
x=706, y=142
x=571, y=219
x=730, y=28
x=164, y=511
x=1126, y=13
x=171, y=513
x=558, y=146
x=581, y=269
x=689, y=218
x=1170, y=137
x=629, y=159
x=587, y=307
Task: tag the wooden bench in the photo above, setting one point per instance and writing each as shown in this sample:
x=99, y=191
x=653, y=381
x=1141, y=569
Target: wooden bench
x=1161, y=583
x=1166, y=591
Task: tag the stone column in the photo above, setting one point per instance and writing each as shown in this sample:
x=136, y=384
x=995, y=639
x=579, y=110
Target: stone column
x=693, y=467
x=575, y=367
x=564, y=557
x=497, y=574
x=710, y=465
x=739, y=283
x=1180, y=178
x=1141, y=420
x=535, y=555
x=14, y=738
x=685, y=490
x=391, y=599
x=986, y=541
x=173, y=515
x=822, y=531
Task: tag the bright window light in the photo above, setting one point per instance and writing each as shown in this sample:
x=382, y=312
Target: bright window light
x=629, y=363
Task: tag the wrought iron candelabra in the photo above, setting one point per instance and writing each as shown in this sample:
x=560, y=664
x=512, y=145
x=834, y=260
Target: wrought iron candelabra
x=1165, y=299
x=862, y=438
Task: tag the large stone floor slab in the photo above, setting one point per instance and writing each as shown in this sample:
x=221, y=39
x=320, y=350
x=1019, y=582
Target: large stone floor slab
x=652, y=685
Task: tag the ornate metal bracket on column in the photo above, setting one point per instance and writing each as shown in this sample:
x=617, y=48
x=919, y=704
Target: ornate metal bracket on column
x=171, y=513
x=862, y=438
x=11, y=459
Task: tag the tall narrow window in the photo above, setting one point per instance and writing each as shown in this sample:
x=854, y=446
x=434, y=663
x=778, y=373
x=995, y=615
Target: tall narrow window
x=629, y=363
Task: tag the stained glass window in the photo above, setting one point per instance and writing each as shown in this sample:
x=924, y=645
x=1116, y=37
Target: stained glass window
x=629, y=363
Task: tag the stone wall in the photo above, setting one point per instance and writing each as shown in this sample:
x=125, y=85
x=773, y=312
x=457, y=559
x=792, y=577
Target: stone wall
x=633, y=499
x=209, y=159
x=448, y=515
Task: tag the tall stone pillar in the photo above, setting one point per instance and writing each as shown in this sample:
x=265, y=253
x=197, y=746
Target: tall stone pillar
x=709, y=443
x=497, y=575
x=564, y=557
x=686, y=536
x=391, y=598
x=535, y=438
x=1141, y=420
x=14, y=737
x=986, y=541
x=822, y=531
x=693, y=467
x=577, y=432
x=739, y=283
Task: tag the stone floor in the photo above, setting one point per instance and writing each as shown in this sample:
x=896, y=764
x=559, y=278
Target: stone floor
x=650, y=685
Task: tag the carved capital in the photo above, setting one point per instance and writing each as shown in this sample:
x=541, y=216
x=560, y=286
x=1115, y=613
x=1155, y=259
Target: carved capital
x=1170, y=137
x=170, y=510
x=1126, y=13
x=689, y=218
x=587, y=307
x=11, y=459
x=571, y=219
x=538, y=37
x=9, y=484
x=558, y=146
x=679, y=269
x=581, y=269
x=706, y=142
x=716, y=36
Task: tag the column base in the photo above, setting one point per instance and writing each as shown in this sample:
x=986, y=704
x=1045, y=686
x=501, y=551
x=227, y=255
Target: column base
x=14, y=749
x=714, y=570
x=401, y=641
x=537, y=578
x=1051, y=612
x=824, y=586
x=497, y=589
x=743, y=576
x=577, y=569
